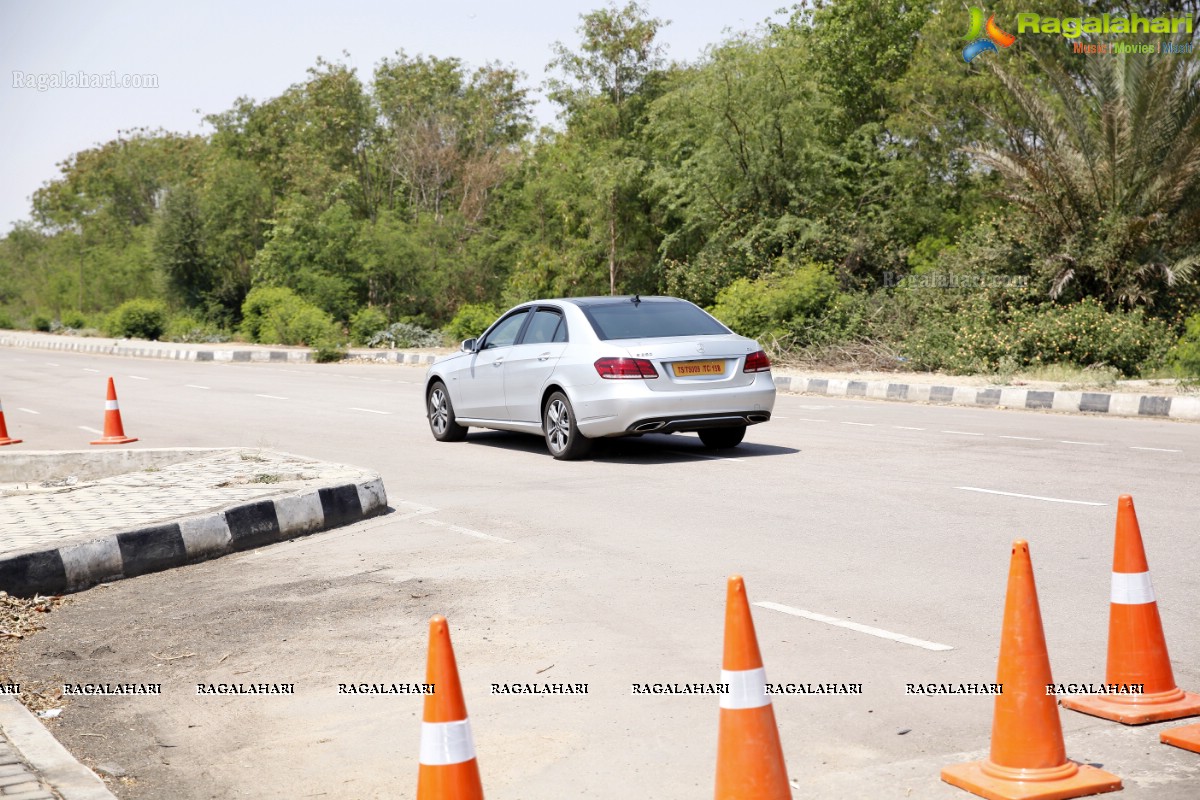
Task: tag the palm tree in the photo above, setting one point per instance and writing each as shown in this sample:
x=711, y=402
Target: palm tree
x=1106, y=167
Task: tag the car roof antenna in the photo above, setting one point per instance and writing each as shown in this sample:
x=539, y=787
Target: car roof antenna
x=635, y=299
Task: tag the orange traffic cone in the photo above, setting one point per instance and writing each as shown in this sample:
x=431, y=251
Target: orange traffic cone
x=749, y=757
x=4, y=437
x=1137, y=650
x=114, y=431
x=1187, y=737
x=1028, y=757
x=448, y=768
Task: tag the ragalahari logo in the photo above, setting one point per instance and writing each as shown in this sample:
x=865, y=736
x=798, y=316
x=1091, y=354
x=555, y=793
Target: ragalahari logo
x=983, y=36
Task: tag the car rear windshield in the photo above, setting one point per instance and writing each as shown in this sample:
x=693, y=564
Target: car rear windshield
x=650, y=320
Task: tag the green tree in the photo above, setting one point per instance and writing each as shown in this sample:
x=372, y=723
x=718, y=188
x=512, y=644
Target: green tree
x=1105, y=173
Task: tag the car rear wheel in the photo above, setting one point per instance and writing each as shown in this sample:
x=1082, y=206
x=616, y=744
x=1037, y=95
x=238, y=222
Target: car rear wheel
x=563, y=439
x=717, y=438
x=441, y=415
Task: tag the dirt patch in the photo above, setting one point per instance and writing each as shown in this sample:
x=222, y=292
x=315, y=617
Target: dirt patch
x=21, y=618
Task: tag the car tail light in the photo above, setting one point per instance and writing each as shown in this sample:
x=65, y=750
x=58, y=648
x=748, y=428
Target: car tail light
x=619, y=368
x=757, y=362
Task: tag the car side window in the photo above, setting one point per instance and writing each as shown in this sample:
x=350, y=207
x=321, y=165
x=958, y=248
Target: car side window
x=547, y=325
x=505, y=333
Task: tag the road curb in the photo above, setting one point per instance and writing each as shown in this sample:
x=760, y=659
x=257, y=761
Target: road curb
x=186, y=353
x=1110, y=403
x=51, y=762
x=188, y=540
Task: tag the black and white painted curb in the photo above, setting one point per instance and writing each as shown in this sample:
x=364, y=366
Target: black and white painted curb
x=127, y=554
x=121, y=348
x=1115, y=404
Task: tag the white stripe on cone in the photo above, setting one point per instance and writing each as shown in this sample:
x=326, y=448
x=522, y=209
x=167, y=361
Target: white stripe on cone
x=747, y=688
x=1132, y=588
x=110, y=405
x=445, y=743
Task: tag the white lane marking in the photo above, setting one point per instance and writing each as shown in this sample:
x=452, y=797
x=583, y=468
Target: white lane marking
x=137, y=377
x=1022, y=438
x=963, y=433
x=779, y=417
x=1030, y=496
x=467, y=531
x=417, y=511
x=194, y=386
x=906, y=428
x=89, y=369
x=90, y=430
x=860, y=424
x=1156, y=449
x=815, y=408
x=807, y=419
x=854, y=626
x=369, y=410
x=28, y=410
x=1093, y=444
x=271, y=396
x=51, y=364
x=403, y=381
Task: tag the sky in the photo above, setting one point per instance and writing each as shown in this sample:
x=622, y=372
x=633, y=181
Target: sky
x=204, y=55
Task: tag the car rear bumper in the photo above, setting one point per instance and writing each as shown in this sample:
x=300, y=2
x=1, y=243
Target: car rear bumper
x=624, y=408
x=696, y=422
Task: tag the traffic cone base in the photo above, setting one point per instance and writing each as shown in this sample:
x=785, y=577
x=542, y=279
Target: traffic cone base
x=1054, y=783
x=1187, y=737
x=1137, y=709
x=115, y=440
x=9, y=440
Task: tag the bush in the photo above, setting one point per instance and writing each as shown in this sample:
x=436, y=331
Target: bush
x=366, y=324
x=328, y=350
x=137, y=319
x=983, y=335
x=74, y=320
x=777, y=307
x=186, y=328
x=40, y=322
x=275, y=315
x=471, y=320
x=406, y=334
x=6, y=322
x=1184, y=357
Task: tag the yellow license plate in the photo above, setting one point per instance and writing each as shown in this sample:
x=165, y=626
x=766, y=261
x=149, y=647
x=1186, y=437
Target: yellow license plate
x=694, y=369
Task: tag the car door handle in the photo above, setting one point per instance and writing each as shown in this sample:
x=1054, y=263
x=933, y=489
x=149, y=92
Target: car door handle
x=543, y=356
x=497, y=362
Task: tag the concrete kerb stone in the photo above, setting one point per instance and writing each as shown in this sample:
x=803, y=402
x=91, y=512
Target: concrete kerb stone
x=74, y=566
x=47, y=758
x=1112, y=404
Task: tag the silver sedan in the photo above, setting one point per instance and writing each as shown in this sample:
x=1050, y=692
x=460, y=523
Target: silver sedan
x=575, y=370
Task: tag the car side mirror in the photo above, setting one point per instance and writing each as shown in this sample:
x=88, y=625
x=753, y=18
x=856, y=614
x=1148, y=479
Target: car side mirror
x=469, y=345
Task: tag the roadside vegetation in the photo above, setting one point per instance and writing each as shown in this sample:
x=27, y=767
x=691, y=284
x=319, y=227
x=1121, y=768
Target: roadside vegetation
x=839, y=183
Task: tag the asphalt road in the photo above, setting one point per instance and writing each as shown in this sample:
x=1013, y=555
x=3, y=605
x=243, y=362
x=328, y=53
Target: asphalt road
x=609, y=571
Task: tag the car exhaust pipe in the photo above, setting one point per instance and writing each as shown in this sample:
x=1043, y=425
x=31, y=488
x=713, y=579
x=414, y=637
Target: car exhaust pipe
x=758, y=417
x=647, y=427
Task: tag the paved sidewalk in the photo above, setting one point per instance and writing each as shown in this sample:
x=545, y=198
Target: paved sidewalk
x=70, y=520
